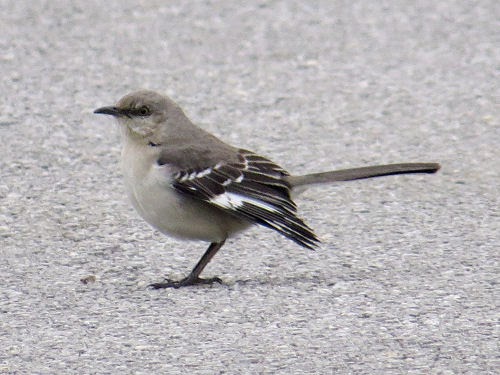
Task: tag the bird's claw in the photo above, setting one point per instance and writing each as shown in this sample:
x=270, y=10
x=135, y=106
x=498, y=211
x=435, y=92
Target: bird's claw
x=188, y=281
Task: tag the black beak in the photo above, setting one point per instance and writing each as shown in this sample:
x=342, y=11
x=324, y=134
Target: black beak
x=113, y=111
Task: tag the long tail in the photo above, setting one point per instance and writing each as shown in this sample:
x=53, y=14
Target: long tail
x=363, y=172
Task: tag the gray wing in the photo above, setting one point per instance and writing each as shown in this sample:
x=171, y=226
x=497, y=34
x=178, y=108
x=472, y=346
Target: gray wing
x=251, y=187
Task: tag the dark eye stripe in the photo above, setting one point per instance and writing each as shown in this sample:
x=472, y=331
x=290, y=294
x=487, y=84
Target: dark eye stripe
x=140, y=112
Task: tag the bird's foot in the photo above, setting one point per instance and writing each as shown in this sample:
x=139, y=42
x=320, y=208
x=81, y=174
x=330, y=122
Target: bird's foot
x=187, y=281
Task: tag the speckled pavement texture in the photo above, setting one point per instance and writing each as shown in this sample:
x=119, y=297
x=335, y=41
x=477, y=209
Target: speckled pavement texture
x=406, y=281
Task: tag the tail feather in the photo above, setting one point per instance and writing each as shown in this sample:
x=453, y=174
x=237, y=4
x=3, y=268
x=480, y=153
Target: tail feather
x=363, y=172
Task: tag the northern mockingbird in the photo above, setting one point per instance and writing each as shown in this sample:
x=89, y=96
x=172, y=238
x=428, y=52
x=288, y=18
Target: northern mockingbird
x=189, y=184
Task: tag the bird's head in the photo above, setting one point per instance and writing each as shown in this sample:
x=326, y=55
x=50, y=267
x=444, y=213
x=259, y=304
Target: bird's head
x=145, y=116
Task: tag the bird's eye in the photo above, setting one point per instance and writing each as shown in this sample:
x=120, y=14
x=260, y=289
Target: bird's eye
x=143, y=111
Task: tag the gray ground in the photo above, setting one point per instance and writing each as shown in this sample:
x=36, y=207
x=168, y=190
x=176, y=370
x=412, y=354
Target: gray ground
x=406, y=279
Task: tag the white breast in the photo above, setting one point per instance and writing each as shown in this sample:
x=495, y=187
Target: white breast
x=152, y=195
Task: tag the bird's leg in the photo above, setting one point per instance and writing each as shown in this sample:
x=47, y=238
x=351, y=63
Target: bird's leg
x=193, y=278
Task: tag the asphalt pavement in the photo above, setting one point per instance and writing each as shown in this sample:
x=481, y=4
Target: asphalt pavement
x=406, y=279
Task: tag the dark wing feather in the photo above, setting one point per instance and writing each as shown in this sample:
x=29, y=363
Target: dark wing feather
x=253, y=188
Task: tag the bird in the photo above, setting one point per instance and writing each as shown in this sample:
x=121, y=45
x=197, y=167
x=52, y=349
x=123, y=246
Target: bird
x=189, y=184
